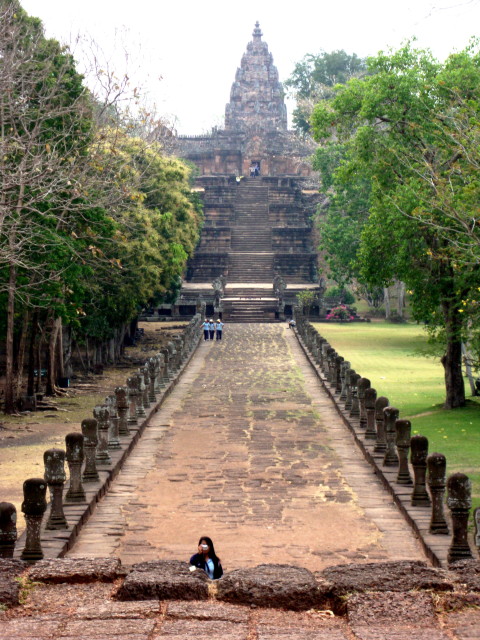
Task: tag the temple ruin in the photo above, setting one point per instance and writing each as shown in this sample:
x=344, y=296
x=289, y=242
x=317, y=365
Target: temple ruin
x=256, y=245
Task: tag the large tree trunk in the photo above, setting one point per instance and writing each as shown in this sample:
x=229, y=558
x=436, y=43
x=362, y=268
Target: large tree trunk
x=452, y=358
x=400, y=298
x=386, y=301
x=10, y=399
x=51, y=358
x=31, y=356
x=20, y=359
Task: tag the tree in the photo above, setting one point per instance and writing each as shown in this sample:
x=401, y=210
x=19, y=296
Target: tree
x=399, y=127
x=313, y=79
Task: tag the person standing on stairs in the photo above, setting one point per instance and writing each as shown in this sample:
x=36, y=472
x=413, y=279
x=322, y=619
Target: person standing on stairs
x=206, y=329
x=219, y=329
x=211, y=328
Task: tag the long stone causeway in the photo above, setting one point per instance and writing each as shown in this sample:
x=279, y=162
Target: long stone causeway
x=246, y=440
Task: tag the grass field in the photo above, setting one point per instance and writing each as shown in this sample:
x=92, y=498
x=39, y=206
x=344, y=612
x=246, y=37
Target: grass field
x=387, y=354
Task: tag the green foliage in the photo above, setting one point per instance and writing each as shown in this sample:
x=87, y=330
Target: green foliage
x=401, y=181
x=344, y=295
x=313, y=79
x=306, y=299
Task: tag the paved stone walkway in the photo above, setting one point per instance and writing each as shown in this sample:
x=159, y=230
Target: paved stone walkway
x=248, y=450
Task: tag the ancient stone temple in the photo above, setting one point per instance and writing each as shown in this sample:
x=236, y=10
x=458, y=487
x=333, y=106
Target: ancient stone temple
x=256, y=245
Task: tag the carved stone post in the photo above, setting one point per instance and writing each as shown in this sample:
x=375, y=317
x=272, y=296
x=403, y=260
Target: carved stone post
x=102, y=416
x=348, y=385
x=121, y=394
x=55, y=476
x=390, y=417
x=355, y=410
x=332, y=371
x=437, y=466
x=339, y=360
x=403, y=429
x=344, y=367
x=75, y=457
x=90, y=441
x=324, y=364
x=152, y=387
x=113, y=433
x=34, y=506
x=362, y=385
x=418, y=458
x=146, y=382
x=172, y=360
x=381, y=443
x=8, y=529
x=140, y=386
x=132, y=401
x=370, y=399
x=459, y=501
x=476, y=520
x=166, y=375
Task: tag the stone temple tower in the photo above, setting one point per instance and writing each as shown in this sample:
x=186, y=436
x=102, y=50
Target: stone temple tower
x=256, y=98
x=255, y=125
x=256, y=250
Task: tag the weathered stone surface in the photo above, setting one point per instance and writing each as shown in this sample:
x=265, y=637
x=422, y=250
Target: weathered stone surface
x=207, y=611
x=77, y=570
x=273, y=585
x=392, y=606
x=464, y=624
x=218, y=629
x=386, y=576
x=468, y=573
x=388, y=632
x=9, y=587
x=165, y=580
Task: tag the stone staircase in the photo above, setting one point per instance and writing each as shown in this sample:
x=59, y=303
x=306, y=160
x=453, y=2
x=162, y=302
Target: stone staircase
x=243, y=303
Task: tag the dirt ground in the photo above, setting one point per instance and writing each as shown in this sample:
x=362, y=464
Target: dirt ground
x=25, y=437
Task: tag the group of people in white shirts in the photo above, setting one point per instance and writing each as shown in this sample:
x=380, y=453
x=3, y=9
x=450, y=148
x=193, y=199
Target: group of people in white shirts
x=212, y=329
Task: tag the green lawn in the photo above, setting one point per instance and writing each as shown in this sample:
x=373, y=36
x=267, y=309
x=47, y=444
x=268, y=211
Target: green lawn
x=386, y=354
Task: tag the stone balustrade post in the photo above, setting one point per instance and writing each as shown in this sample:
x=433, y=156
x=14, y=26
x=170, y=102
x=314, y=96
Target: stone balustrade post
x=381, y=442
x=332, y=374
x=166, y=373
x=121, y=394
x=390, y=417
x=418, y=458
x=403, y=434
x=75, y=456
x=160, y=369
x=172, y=358
x=476, y=520
x=8, y=529
x=355, y=410
x=152, y=370
x=90, y=441
x=102, y=416
x=146, y=386
x=339, y=360
x=55, y=476
x=348, y=386
x=437, y=466
x=324, y=364
x=344, y=367
x=370, y=400
x=459, y=501
x=34, y=506
x=362, y=385
x=140, y=386
x=113, y=433
x=179, y=346
x=132, y=401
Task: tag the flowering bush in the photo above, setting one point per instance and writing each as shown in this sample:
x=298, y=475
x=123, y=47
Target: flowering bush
x=341, y=312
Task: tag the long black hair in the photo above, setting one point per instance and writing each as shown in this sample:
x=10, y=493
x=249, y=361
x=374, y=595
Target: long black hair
x=211, y=553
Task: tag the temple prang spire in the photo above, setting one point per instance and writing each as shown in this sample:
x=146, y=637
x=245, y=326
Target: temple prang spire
x=257, y=32
x=256, y=98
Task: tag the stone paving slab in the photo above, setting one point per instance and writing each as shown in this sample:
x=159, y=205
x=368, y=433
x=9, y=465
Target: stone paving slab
x=88, y=612
x=248, y=449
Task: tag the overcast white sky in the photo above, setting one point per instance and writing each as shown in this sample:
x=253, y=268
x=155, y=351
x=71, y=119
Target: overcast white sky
x=195, y=46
